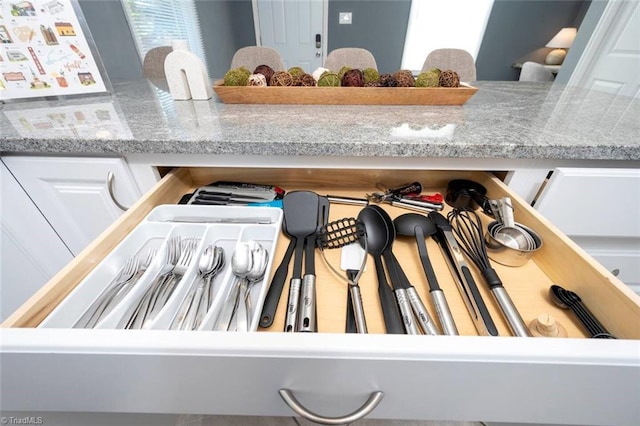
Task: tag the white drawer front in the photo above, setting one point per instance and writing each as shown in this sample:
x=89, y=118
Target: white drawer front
x=453, y=378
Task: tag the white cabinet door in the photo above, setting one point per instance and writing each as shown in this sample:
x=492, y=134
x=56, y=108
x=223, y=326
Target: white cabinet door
x=600, y=210
x=31, y=252
x=73, y=193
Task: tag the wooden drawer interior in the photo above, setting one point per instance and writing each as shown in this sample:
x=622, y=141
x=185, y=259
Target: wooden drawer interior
x=560, y=261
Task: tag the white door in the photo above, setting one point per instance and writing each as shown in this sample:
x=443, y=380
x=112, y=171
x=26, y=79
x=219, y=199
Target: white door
x=295, y=28
x=73, y=193
x=611, y=59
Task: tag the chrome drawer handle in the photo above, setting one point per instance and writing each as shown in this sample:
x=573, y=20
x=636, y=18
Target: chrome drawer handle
x=366, y=408
x=110, y=178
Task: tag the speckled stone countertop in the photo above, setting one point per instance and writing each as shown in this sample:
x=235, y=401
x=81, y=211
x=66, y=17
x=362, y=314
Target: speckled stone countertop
x=502, y=120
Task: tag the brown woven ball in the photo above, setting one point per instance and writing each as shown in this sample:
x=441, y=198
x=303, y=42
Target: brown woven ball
x=265, y=70
x=404, y=78
x=304, y=80
x=281, y=78
x=372, y=84
x=387, y=80
x=449, y=78
x=353, y=78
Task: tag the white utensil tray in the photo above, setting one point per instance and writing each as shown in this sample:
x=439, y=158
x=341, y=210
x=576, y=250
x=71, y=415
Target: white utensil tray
x=237, y=225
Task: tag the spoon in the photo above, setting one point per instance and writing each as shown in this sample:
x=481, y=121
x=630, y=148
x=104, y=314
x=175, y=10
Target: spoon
x=413, y=224
x=259, y=260
x=241, y=264
x=376, y=243
x=210, y=262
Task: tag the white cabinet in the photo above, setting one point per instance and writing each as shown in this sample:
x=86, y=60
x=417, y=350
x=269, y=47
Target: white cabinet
x=74, y=195
x=598, y=209
x=31, y=250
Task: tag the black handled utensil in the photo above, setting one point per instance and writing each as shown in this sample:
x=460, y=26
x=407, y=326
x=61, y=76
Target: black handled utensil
x=462, y=274
x=419, y=226
x=348, y=233
x=275, y=288
x=467, y=228
x=300, y=209
x=567, y=299
x=376, y=243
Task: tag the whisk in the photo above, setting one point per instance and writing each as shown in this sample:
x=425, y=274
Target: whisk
x=338, y=234
x=467, y=228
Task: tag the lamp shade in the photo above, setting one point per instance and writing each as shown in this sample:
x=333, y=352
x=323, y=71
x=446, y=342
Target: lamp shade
x=564, y=38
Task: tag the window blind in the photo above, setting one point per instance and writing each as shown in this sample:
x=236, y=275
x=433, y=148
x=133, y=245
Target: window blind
x=157, y=22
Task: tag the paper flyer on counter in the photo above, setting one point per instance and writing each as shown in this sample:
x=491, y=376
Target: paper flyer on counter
x=44, y=51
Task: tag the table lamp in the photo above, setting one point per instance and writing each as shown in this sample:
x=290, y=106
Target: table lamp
x=561, y=41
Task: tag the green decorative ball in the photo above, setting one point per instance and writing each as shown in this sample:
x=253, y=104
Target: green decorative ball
x=237, y=77
x=342, y=71
x=329, y=79
x=296, y=71
x=428, y=79
x=371, y=75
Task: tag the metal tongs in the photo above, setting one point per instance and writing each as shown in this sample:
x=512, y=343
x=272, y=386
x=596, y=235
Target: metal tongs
x=407, y=196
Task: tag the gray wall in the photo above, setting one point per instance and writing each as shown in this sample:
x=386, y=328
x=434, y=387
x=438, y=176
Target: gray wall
x=518, y=30
x=379, y=26
x=110, y=30
x=587, y=25
x=226, y=26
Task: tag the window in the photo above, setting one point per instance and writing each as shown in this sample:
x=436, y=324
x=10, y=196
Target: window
x=158, y=22
x=437, y=24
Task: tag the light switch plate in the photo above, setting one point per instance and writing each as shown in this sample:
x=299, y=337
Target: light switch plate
x=344, y=18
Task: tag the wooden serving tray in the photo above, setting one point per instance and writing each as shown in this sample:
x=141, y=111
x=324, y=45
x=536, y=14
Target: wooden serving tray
x=344, y=95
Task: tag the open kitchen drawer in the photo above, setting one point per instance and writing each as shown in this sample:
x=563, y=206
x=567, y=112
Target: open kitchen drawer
x=531, y=380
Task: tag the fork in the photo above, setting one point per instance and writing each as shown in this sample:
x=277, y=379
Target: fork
x=167, y=287
x=91, y=316
x=135, y=319
x=120, y=293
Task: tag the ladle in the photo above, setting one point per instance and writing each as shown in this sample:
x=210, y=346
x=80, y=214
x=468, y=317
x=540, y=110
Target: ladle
x=407, y=297
x=376, y=243
x=413, y=224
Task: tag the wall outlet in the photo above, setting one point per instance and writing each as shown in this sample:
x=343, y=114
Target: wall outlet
x=344, y=18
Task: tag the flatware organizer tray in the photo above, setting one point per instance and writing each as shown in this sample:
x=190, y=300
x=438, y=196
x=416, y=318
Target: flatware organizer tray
x=222, y=226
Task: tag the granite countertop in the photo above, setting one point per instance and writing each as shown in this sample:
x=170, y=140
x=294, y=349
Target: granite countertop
x=502, y=120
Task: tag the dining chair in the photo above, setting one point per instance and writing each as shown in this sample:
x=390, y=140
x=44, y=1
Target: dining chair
x=458, y=60
x=533, y=71
x=153, y=63
x=353, y=57
x=252, y=56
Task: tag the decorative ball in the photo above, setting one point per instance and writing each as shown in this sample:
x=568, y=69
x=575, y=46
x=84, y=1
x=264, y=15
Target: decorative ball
x=428, y=79
x=296, y=71
x=370, y=74
x=329, y=79
x=306, y=80
x=404, y=78
x=265, y=70
x=319, y=71
x=237, y=77
x=372, y=84
x=281, y=78
x=353, y=78
x=342, y=71
x=257, y=80
x=449, y=78
x=387, y=80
